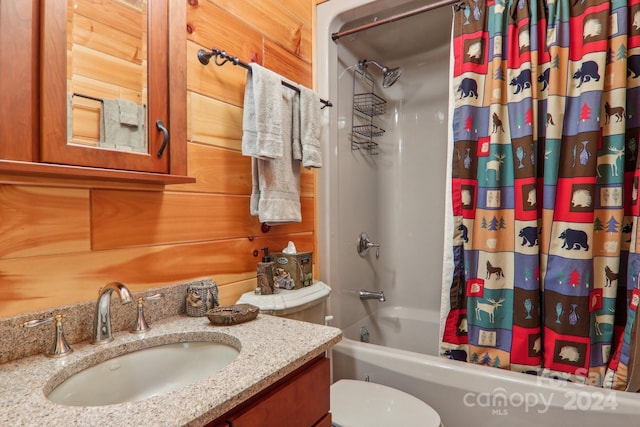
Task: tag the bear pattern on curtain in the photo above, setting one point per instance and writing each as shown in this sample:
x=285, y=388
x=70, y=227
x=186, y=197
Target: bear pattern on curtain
x=546, y=126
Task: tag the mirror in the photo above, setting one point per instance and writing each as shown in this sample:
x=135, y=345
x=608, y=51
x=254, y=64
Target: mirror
x=107, y=74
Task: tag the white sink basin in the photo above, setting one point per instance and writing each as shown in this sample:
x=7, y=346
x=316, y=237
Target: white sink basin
x=143, y=374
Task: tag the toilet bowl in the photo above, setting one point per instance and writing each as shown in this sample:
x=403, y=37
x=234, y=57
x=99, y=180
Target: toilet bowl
x=364, y=404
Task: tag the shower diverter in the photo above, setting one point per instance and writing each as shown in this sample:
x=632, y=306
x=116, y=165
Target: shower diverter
x=364, y=244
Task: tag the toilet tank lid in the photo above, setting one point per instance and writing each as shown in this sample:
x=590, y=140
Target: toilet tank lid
x=285, y=301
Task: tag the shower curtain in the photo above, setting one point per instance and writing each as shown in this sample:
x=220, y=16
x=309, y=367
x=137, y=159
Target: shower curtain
x=544, y=187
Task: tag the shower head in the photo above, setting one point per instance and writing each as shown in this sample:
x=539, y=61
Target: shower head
x=390, y=75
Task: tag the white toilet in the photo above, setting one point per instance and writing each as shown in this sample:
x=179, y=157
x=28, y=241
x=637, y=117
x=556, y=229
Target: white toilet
x=363, y=404
x=353, y=403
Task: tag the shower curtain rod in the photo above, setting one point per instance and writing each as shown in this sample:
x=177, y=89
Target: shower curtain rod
x=427, y=8
x=204, y=57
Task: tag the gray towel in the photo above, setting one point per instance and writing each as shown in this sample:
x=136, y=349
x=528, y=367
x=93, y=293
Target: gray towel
x=128, y=113
x=121, y=137
x=261, y=120
x=310, y=128
x=111, y=123
x=296, y=149
x=276, y=183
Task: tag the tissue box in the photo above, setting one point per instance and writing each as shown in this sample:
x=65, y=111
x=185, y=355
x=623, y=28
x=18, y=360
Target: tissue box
x=299, y=266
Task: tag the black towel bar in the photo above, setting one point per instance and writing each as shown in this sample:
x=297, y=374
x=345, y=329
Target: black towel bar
x=93, y=98
x=204, y=57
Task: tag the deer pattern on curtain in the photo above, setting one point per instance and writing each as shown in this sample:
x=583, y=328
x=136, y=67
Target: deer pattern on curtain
x=545, y=187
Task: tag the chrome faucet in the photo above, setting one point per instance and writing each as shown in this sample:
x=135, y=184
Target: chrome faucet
x=102, y=319
x=364, y=295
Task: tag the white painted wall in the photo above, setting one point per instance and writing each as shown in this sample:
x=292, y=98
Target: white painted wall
x=397, y=197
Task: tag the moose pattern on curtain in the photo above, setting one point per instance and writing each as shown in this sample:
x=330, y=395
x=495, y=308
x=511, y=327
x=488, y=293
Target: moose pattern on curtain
x=545, y=166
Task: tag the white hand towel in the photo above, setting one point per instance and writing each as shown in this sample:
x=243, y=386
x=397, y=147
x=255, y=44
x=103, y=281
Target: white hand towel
x=276, y=187
x=310, y=127
x=261, y=120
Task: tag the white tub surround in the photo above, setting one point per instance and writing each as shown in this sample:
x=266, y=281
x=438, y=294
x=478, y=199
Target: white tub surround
x=397, y=196
x=270, y=349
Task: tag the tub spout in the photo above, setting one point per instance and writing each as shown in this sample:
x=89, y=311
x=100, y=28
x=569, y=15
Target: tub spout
x=364, y=295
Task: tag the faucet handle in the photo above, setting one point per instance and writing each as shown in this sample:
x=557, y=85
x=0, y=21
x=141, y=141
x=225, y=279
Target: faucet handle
x=60, y=346
x=364, y=244
x=141, y=323
x=154, y=297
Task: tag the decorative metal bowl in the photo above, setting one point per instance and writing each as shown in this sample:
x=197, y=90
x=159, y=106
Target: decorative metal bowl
x=232, y=314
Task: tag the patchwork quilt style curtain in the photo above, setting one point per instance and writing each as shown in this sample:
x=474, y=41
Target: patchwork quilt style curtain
x=545, y=189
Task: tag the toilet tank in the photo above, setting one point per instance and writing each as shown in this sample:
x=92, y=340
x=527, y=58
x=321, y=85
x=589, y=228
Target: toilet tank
x=307, y=304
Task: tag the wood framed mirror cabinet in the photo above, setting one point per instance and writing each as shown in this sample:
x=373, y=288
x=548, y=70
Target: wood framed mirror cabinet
x=94, y=89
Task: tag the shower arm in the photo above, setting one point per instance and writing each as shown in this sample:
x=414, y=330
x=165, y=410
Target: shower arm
x=390, y=75
x=366, y=62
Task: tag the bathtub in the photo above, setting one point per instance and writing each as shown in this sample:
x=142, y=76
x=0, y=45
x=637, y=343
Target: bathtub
x=398, y=197
x=402, y=353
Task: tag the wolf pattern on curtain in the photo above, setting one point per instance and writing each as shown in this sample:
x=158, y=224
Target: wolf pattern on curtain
x=545, y=172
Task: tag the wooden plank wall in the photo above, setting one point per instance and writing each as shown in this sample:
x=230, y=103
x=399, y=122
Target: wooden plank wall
x=59, y=244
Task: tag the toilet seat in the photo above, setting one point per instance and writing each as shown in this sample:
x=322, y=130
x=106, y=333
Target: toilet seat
x=364, y=404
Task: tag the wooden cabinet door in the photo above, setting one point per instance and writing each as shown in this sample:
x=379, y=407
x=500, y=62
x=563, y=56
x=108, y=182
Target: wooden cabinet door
x=324, y=422
x=301, y=401
x=54, y=86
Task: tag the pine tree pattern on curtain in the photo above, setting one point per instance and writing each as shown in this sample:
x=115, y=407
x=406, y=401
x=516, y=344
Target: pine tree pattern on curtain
x=545, y=188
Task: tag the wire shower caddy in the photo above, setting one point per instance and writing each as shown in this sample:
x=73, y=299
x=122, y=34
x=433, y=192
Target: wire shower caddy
x=366, y=106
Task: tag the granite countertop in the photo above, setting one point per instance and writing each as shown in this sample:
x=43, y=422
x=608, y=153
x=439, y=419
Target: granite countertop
x=270, y=348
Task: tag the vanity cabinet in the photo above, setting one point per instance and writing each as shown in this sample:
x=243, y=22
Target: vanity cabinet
x=300, y=399
x=37, y=84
